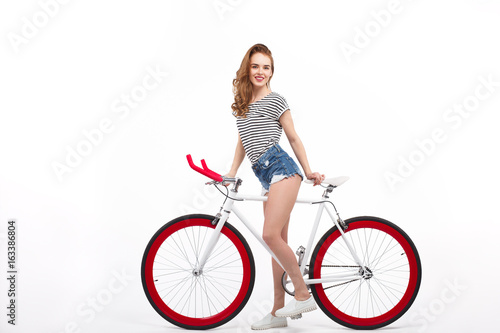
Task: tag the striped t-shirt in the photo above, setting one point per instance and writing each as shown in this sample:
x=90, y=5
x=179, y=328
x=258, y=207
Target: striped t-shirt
x=261, y=128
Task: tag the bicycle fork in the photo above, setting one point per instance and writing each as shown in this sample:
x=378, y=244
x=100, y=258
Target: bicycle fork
x=219, y=221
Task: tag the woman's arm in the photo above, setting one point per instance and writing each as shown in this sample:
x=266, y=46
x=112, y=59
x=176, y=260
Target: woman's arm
x=298, y=148
x=239, y=155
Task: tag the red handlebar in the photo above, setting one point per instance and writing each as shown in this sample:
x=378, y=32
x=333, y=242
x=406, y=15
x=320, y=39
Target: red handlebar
x=205, y=171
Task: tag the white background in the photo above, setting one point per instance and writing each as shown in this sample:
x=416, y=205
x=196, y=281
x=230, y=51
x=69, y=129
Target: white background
x=357, y=115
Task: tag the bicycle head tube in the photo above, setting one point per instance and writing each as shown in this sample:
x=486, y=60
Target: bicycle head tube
x=233, y=180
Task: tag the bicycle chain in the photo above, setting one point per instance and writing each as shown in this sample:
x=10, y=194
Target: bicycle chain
x=340, y=266
x=340, y=284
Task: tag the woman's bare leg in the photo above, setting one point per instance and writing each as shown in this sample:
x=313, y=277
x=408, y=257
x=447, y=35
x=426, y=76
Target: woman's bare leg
x=280, y=202
x=279, y=292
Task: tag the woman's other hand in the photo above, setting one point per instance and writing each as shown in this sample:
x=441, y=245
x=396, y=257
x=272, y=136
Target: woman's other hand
x=316, y=177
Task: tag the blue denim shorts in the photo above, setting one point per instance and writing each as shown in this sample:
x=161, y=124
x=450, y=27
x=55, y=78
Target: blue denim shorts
x=274, y=165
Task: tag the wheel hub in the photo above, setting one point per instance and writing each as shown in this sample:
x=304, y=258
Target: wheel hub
x=366, y=273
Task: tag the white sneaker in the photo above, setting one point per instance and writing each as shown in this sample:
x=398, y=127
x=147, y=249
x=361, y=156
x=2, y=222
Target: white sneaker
x=295, y=308
x=269, y=321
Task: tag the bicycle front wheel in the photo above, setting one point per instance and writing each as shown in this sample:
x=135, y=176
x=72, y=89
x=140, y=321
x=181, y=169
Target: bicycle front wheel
x=388, y=281
x=197, y=301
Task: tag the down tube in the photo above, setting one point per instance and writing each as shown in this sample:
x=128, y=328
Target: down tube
x=243, y=219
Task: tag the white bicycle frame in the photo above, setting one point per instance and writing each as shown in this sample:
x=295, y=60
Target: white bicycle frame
x=229, y=207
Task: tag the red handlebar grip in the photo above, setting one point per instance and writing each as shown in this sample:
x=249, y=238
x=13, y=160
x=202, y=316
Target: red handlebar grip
x=205, y=171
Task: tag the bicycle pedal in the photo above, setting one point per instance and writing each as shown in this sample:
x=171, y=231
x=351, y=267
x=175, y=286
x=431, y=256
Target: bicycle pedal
x=296, y=316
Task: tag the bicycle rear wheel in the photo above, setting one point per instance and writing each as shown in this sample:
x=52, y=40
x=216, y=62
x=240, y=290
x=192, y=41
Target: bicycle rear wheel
x=381, y=296
x=202, y=301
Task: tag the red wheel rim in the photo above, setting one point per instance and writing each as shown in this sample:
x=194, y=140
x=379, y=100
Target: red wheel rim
x=398, y=308
x=164, y=308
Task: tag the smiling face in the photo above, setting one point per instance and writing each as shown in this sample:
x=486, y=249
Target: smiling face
x=260, y=70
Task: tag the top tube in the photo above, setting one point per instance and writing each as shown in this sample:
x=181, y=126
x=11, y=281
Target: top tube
x=264, y=198
x=237, y=181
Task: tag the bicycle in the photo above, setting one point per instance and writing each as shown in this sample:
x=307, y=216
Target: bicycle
x=198, y=271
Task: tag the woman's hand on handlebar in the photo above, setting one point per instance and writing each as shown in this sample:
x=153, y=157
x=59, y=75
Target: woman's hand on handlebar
x=316, y=177
x=228, y=175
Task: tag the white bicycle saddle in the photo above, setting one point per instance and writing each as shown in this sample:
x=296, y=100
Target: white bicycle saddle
x=334, y=181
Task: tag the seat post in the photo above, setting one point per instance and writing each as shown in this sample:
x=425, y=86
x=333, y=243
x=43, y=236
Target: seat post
x=328, y=190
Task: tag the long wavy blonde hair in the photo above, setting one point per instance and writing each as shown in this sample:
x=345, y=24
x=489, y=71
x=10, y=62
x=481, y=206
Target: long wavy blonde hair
x=242, y=87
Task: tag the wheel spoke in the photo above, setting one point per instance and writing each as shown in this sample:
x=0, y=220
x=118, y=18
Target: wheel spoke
x=200, y=299
x=373, y=300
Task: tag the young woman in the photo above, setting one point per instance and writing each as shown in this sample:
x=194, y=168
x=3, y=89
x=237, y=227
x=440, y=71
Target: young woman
x=261, y=114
